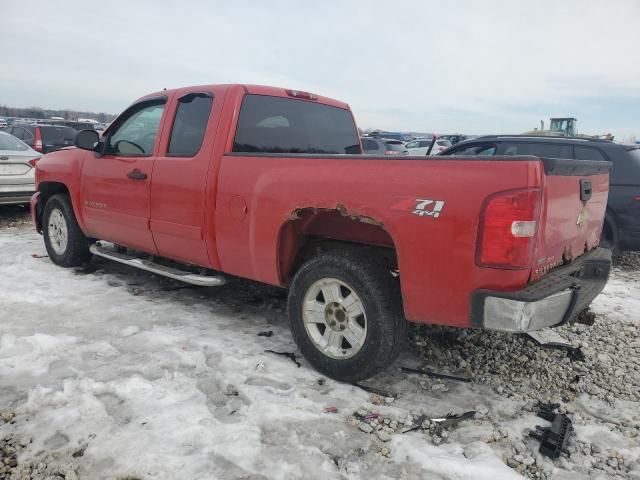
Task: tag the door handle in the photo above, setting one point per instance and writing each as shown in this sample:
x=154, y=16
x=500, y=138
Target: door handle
x=137, y=175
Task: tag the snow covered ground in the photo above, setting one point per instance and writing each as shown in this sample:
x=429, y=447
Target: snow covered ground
x=118, y=374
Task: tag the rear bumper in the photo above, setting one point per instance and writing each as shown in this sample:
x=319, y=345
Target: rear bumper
x=555, y=299
x=15, y=197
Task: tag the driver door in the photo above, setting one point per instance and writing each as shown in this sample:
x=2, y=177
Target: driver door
x=116, y=185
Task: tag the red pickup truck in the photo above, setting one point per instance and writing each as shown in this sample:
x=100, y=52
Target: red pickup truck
x=270, y=184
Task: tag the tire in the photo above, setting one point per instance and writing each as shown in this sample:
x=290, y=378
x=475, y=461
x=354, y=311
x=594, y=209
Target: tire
x=66, y=245
x=608, y=239
x=344, y=272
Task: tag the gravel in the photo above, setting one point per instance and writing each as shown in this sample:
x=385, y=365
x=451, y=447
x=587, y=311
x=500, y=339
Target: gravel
x=517, y=367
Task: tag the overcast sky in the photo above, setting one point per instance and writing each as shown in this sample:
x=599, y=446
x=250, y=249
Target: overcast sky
x=480, y=66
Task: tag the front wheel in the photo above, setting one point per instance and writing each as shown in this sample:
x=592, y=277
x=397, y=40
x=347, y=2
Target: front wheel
x=66, y=245
x=345, y=314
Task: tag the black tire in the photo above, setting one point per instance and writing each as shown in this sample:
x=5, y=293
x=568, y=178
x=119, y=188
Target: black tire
x=608, y=239
x=76, y=251
x=379, y=292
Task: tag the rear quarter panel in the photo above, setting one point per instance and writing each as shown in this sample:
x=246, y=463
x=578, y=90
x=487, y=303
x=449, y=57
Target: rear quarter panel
x=436, y=255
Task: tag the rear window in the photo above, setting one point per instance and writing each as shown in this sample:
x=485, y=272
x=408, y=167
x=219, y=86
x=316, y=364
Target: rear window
x=283, y=125
x=548, y=150
x=369, y=145
x=9, y=142
x=394, y=145
x=57, y=134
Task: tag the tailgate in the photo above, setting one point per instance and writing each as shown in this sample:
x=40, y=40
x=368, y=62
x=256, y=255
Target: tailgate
x=573, y=209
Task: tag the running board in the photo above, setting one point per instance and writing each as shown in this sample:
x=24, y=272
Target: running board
x=133, y=261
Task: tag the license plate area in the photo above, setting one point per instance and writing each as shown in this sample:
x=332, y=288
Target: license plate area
x=13, y=168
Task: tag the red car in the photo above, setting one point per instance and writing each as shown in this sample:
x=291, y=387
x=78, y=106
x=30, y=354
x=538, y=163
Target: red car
x=270, y=184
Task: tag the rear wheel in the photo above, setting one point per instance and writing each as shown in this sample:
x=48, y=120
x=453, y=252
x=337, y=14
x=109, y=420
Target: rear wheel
x=608, y=238
x=345, y=314
x=66, y=245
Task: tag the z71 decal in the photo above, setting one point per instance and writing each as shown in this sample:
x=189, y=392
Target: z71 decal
x=421, y=206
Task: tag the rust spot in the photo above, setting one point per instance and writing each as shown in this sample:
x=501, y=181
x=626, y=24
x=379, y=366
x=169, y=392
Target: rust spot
x=567, y=255
x=354, y=216
x=341, y=209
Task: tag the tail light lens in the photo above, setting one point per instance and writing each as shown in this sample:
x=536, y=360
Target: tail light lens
x=508, y=227
x=37, y=143
x=33, y=162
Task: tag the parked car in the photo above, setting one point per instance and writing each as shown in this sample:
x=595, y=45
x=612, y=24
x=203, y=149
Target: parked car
x=17, y=162
x=258, y=182
x=3, y=122
x=403, y=137
x=427, y=146
x=419, y=146
x=622, y=222
x=382, y=146
x=43, y=138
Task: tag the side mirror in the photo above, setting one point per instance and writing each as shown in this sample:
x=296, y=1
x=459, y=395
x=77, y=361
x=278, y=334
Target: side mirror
x=86, y=139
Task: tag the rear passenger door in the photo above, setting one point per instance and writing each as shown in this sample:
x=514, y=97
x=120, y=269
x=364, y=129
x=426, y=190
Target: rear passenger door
x=179, y=200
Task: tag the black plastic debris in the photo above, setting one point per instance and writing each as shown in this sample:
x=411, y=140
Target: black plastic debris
x=432, y=373
x=266, y=333
x=447, y=422
x=553, y=439
x=290, y=355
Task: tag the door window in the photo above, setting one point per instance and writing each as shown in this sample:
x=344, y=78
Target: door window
x=483, y=149
x=136, y=133
x=190, y=124
x=588, y=153
x=18, y=132
x=413, y=145
x=548, y=150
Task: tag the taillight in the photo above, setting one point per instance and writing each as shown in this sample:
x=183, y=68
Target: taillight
x=508, y=226
x=37, y=143
x=33, y=162
x=300, y=94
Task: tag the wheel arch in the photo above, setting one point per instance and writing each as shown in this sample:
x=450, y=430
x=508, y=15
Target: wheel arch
x=311, y=229
x=48, y=189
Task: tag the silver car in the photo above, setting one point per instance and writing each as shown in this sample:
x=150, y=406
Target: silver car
x=17, y=172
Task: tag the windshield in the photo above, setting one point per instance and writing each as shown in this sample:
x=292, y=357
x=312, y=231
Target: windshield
x=9, y=142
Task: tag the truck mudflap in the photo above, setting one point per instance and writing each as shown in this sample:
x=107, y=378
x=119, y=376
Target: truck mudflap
x=555, y=299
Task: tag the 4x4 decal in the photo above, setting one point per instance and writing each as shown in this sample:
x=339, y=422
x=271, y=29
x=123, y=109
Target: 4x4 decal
x=421, y=206
x=430, y=208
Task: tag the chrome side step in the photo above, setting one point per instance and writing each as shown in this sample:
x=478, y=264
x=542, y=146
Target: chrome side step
x=101, y=250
